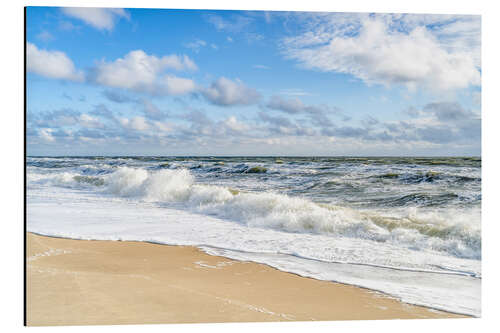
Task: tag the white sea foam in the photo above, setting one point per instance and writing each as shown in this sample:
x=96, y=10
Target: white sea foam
x=452, y=231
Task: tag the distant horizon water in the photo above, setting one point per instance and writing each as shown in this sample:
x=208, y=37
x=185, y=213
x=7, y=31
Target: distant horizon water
x=290, y=156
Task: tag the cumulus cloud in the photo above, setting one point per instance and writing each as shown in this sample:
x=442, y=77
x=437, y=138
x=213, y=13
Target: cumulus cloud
x=51, y=64
x=234, y=125
x=88, y=121
x=54, y=118
x=438, y=123
x=228, y=129
x=141, y=72
x=292, y=106
x=226, y=92
x=99, y=18
x=62, y=118
x=449, y=112
x=136, y=123
x=393, y=50
x=136, y=71
x=46, y=134
x=174, y=85
x=319, y=114
x=438, y=128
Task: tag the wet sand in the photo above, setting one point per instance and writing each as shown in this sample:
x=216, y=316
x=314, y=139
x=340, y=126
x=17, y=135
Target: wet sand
x=79, y=282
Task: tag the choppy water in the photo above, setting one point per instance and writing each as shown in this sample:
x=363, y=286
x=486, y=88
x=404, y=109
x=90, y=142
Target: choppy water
x=407, y=226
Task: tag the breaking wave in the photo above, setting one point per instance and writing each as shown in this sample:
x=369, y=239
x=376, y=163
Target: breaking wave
x=450, y=230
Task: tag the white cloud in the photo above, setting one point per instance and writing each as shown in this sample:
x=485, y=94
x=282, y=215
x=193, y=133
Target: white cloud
x=441, y=128
x=392, y=50
x=185, y=63
x=100, y=18
x=226, y=92
x=145, y=73
x=438, y=123
x=137, y=123
x=88, y=121
x=162, y=126
x=233, y=124
x=46, y=135
x=318, y=114
x=177, y=85
x=292, y=105
x=462, y=35
x=51, y=64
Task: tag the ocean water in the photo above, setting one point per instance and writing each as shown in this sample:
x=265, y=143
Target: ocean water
x=408, y=227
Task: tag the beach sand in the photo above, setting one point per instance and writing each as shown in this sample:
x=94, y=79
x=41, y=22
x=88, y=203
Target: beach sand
x=79, y=282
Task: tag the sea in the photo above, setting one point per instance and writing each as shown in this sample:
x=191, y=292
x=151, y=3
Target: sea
x=408, y=227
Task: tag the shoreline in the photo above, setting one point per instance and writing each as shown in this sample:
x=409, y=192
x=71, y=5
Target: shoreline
x=93, y=282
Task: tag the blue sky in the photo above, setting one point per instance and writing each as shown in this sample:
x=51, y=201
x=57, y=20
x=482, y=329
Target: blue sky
x=190, y=82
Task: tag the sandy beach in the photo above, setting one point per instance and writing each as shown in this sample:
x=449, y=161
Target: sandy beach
x=79, y=282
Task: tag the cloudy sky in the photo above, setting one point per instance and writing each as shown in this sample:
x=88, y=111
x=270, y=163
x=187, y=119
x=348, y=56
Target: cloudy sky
x=189, y=82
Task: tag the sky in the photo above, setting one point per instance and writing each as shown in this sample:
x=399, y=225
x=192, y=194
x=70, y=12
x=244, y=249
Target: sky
x=110, y=81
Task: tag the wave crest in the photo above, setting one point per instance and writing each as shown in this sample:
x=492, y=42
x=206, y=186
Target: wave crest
x=449, y=232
